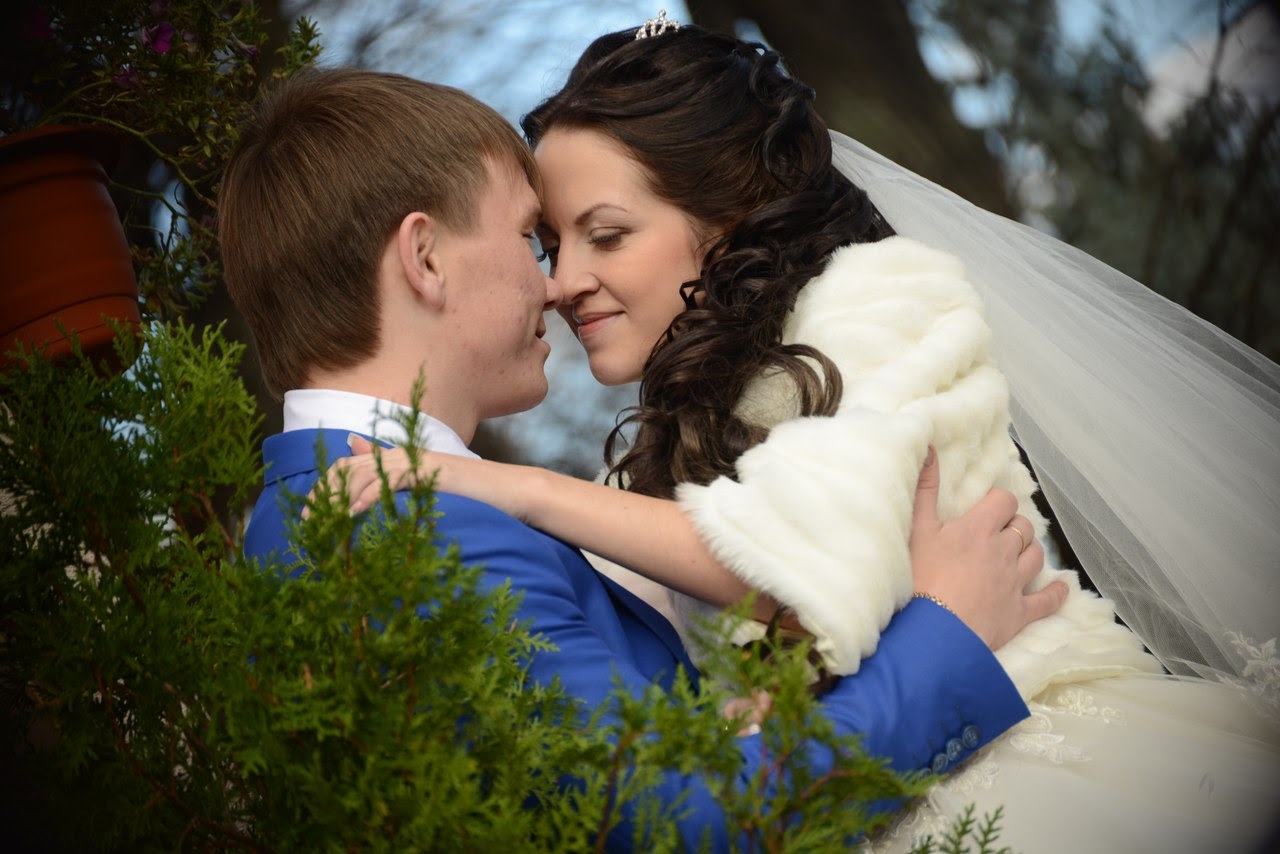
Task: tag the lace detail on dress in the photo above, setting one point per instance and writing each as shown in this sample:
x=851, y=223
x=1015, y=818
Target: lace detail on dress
x=928, y=817
x=909, y=831
x=1074, y=700
x=978, y=773
x=1035, y=737
x=1260, y=677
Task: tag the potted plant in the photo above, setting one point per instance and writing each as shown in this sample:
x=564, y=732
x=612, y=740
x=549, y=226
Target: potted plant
x=125, y=101
x=67, y=263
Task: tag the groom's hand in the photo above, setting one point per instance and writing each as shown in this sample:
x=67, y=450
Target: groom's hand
x=981, y=563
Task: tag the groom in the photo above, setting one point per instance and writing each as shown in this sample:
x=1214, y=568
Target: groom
x=374, y=226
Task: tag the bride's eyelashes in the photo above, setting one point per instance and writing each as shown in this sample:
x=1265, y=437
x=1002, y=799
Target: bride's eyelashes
x=606, y=240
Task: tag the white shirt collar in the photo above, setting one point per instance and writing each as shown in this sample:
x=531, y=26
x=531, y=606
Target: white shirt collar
x=322, y=408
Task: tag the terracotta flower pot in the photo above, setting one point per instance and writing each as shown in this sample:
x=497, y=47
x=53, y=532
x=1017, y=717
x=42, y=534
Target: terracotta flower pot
x=63, y=255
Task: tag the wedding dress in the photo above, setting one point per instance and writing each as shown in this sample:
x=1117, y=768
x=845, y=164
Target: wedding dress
x=1156, y=440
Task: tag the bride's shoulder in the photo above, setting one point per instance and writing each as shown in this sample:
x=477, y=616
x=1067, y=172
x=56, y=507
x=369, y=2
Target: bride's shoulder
x=890, y=270
x=896, y=255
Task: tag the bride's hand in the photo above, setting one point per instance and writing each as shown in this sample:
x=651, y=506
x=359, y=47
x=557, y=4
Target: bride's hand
x=493, y=483
x=980, y=564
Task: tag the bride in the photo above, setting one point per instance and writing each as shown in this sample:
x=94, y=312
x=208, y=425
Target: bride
x=801, y=317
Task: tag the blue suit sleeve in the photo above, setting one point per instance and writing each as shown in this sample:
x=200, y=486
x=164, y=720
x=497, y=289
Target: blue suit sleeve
x=930, y=695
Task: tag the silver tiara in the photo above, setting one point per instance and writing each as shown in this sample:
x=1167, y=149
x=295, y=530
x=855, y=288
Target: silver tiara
x=657, y=26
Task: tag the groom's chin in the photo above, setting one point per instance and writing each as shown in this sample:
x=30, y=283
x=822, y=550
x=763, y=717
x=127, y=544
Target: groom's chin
x=527, y=398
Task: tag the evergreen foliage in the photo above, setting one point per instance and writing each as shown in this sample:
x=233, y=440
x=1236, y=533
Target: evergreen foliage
x=162, y=692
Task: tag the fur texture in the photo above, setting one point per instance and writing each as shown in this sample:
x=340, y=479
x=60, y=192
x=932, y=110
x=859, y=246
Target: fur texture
x=820, y=514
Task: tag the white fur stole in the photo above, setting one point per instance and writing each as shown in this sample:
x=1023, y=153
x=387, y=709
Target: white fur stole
x=820, y=515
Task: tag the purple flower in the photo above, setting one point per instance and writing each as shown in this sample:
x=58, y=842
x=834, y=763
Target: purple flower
x=248, y=50
x=159, y=38
x=128, y=78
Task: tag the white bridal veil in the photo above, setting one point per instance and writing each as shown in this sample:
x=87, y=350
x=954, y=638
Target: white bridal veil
x=1154, y=435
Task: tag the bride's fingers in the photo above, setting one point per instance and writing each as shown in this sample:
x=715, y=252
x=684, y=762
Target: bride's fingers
x=364, y=480
x=1020, y=534
x=1044, y=602
x=1031, y=561
x=994, y=511
x=360, y=476
x=348, y=475
x=333, y=481
x=359, y=445
x=366, y=498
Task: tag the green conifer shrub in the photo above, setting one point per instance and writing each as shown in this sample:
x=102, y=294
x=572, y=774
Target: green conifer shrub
x=162, y=692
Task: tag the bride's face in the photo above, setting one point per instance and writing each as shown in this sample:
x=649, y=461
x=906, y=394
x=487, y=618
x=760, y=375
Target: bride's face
x=619, y=252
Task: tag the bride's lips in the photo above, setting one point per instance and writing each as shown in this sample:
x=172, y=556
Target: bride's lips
x=587, y=325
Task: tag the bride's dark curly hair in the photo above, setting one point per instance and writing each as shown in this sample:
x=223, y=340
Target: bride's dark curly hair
x=723, y=133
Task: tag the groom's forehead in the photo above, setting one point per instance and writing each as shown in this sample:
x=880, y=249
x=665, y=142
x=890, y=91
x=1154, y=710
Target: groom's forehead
x=519, y=187
x=524, y=168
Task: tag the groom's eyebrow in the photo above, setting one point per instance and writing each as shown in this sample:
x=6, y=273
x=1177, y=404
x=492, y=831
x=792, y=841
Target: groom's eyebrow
x=532, y=217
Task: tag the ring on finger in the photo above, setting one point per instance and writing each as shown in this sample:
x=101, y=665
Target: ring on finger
x=1021, y=537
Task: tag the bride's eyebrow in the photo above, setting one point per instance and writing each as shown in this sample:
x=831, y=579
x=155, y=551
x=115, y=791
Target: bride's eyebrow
x=582, y=218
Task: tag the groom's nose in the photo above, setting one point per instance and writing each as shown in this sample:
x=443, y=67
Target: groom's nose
x=555, y=294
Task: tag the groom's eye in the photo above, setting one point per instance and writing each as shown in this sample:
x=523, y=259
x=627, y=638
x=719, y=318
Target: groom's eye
x=535, y=245
x=544, y=252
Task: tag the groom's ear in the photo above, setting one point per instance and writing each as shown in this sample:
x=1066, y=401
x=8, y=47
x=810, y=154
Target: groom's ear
x=417, y=243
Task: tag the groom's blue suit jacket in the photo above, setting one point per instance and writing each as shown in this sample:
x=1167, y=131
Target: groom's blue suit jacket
x=926, y=699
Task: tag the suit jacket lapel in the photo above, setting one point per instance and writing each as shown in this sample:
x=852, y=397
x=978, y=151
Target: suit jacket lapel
x=647, y=614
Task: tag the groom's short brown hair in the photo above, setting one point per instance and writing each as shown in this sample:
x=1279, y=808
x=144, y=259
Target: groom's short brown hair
x=319, y=182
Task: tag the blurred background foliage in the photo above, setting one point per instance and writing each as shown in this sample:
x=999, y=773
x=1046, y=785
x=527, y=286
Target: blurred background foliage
x=1143, y=131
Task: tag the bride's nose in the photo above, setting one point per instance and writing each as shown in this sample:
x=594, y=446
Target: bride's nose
x=575, y=282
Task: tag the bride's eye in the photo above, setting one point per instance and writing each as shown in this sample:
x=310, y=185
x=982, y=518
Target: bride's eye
x=606, y=239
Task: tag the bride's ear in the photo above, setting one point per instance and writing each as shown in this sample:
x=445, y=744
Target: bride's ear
x=417, y=244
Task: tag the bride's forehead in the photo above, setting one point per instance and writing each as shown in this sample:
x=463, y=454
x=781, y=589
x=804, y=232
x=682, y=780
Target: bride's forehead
x=583, y=169
x=571, y=150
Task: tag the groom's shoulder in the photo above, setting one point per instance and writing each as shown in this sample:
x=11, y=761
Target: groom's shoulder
x=483, y=534
x=459, y=513
x=459, y=517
